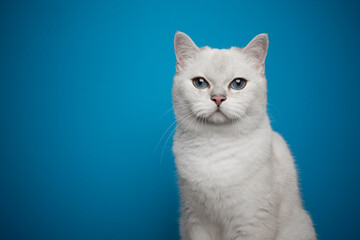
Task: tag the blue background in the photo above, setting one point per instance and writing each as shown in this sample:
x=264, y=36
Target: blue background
x=85, y=93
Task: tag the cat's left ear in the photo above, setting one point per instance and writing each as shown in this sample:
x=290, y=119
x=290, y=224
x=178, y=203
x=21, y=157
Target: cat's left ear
x=185, y=49
x=257, y=49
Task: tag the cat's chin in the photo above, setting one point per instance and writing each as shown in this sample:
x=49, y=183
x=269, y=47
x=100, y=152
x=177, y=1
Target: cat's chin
x=218, y=117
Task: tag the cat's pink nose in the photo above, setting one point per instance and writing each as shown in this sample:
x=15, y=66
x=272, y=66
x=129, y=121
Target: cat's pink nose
x=218, y=99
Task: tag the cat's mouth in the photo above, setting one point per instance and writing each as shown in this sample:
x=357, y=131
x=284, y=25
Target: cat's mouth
x=218, y=116
x=214, y=116
x=218, y=112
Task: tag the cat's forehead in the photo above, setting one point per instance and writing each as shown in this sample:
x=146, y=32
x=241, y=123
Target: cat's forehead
x=221, y=64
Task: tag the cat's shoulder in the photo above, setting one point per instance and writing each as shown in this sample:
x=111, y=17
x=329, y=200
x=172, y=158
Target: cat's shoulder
x=280, y=147
x=282, y=158
x=277, y=138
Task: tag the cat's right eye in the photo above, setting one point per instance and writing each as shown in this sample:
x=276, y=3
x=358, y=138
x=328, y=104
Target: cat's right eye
x=200, y=82
x=238, y=83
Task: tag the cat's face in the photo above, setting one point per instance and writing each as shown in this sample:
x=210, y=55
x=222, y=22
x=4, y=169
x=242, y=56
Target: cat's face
x=217, y=87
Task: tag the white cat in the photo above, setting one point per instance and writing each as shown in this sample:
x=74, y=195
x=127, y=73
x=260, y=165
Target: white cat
x=237, y=176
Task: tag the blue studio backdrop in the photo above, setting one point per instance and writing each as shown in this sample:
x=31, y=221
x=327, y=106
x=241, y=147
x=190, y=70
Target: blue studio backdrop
x=85, y=98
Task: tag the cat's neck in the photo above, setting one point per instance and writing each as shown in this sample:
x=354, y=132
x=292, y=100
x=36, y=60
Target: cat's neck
x=231, y=130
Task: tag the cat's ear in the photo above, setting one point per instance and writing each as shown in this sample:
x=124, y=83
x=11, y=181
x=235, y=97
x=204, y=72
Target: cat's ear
x=257, y=49
x=185, y=49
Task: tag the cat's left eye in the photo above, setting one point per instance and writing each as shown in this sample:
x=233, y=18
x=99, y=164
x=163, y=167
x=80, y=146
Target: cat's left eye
x=238, y=83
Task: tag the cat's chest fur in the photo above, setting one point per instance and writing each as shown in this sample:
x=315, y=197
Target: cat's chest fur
x=221, y=161
x=217, y=172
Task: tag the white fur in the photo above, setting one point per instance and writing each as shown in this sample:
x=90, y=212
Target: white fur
x=237, y=176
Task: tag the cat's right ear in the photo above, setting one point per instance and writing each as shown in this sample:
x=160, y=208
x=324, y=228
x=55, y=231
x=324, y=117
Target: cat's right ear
x=257, y=50
x=185, y=49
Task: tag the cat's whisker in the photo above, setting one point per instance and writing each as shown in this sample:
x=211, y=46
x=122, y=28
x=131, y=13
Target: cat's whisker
x=272, y=117
x=167, y=111
x=157, y=145
x=163, y=135
x=274, y=106
x=162, y=152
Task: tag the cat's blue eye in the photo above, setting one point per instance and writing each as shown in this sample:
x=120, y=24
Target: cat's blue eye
x=238, y=83
x=200, y=83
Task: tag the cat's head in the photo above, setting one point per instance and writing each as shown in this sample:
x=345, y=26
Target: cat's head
x=218, y=87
